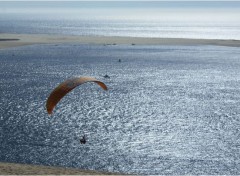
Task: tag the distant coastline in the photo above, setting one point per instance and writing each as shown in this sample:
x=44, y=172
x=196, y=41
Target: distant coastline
x=6, y=39
x=30, y=169
x=15, y=40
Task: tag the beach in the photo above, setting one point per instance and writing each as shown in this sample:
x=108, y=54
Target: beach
x=15, y=40
x=31, y=169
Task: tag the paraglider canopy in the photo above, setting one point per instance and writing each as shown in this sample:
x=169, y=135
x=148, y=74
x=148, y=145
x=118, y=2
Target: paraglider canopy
x=62, y=89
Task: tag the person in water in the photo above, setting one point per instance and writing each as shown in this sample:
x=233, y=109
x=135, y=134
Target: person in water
x=83, y=140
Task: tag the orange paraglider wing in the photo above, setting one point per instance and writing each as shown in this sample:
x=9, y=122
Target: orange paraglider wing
x=60, y=91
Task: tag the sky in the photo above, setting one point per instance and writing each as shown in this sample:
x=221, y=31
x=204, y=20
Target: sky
x=123, y=3
x=118, y=0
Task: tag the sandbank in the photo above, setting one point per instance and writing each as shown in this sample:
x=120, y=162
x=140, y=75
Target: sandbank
x=29, y=169
x=14, y=40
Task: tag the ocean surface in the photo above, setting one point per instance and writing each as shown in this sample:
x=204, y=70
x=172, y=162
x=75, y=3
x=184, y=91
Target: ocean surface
x=168, y=110
x=124, y=28
x=205, y=20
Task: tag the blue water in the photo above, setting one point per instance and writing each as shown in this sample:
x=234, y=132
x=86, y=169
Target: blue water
x=169, y=109
x=209, y=20
x=123, y=28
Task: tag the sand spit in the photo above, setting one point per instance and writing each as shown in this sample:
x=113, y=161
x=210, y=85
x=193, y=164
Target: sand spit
x=27, y=169
x=14, y=40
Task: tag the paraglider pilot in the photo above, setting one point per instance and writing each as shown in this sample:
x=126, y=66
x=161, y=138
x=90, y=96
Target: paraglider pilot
x=83, y=140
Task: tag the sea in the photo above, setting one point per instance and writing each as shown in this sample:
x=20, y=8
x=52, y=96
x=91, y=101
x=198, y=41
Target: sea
x=169, y=110
x=167, y=19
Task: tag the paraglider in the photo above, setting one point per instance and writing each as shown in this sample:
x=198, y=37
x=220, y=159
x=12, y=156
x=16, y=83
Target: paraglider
x=62, y=89
x=83, y=140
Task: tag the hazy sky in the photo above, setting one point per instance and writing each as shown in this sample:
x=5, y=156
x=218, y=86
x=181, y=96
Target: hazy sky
x=122, y=3
x=118, y=0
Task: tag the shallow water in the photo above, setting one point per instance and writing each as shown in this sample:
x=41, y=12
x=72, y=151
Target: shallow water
x=169, y=109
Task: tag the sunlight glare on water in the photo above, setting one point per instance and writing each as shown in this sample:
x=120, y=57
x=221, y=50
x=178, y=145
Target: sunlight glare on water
x=168, y=110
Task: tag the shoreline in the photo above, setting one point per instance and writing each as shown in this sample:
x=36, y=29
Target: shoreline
x=31, y=169
x=15, y=40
